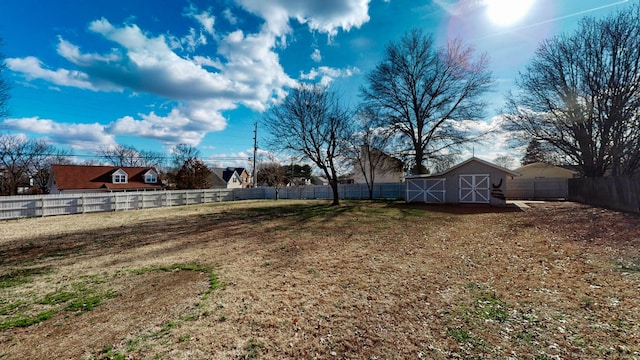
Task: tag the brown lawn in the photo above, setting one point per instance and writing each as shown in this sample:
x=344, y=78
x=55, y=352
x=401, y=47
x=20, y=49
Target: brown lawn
x=302, y=280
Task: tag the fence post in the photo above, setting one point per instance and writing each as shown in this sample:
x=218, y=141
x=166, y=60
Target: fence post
x=42, y=206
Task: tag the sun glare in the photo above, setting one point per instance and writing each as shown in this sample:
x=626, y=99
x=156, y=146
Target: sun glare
x=507, y=12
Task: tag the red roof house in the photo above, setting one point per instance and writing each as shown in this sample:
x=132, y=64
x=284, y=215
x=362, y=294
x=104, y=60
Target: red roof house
x=84, y=178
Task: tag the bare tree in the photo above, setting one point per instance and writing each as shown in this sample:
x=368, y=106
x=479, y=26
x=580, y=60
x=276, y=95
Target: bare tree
x=312, y=123
x=121, y=155
x=4, y=88
x=42, y=168
x=506, y=161
x=272, y=174
x=182, y=153
x=124, y=155
x=580, y=95
x=367, y=148
x=18, y=159
x=150, y=158
x=422, y=90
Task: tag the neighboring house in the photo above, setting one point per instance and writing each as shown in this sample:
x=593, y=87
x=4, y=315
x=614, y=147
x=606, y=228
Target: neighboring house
x=540, y=170
x=85, y=178
x=387, y=169
x=229, y=178
x=244, y=177
x=474, y=181
x=541, y=181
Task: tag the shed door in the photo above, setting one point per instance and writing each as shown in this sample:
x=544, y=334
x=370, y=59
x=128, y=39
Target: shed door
x=475, y=188
x=426, y=190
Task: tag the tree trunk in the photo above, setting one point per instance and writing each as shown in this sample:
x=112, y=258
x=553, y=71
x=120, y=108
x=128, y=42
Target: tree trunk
x=334, y=189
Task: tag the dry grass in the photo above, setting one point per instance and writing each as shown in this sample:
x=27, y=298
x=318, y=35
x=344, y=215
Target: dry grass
x=304, y=280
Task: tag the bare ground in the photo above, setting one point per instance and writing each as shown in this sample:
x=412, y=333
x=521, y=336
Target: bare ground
x=304, y=280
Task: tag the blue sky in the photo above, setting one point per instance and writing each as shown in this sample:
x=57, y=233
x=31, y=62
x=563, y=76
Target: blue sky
x=149, y=74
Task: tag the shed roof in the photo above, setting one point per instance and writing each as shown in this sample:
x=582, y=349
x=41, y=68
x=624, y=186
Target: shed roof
x=470, y=160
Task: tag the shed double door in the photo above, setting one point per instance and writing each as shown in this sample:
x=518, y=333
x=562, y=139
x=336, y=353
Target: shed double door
x=475, y=188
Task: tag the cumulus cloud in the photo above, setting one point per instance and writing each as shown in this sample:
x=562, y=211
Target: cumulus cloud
x=493, y=139
x=245, y=70
x=206, y=20
x=179, y=126
x=316, y=55
x=325, y=74
x=228, y=15
x=77, y=136
x=323, y=16
x=34, y=69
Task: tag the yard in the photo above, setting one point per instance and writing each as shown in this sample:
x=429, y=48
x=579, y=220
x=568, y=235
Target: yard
x=299, y=279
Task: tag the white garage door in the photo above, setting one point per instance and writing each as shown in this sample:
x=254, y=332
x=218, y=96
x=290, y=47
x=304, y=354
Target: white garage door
x=426, y=190
x=475, y=188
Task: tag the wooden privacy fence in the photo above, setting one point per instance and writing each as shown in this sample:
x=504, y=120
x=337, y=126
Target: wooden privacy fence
x=12, y=207
x=538, y=189
x=618, y=193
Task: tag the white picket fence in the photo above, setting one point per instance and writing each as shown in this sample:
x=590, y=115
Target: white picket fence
x=13, y=207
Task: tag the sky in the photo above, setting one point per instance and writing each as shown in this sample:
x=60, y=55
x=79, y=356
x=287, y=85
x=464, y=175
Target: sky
x=87, y=75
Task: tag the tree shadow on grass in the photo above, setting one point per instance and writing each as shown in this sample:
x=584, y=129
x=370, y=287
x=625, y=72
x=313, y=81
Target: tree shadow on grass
x=224, y=224
x=453, y=209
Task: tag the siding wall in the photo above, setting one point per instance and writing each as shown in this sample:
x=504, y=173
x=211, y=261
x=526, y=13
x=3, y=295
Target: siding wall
x=496, y=177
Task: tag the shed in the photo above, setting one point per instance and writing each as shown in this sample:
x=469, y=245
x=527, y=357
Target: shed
x=474, y=181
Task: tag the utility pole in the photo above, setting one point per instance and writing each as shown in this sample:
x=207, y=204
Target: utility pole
x=255, y=150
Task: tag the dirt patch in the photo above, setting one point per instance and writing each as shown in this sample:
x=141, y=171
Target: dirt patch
x=144, y=305
x=363, y=280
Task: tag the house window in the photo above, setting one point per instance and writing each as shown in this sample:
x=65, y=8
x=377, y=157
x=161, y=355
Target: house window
x=119, y=178
x=150, y=178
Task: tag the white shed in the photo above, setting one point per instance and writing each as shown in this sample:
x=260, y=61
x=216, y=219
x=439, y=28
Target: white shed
x=473, y=181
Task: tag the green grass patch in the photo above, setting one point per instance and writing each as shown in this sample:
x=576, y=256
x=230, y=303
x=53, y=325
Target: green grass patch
x=25, y=320
x=21, y=276
x=78, y=297
x=88, y=302
x=489, y=307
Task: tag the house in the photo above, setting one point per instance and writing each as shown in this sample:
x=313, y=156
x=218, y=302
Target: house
x=230, y=178
x=89, y=178
x=473, y=181
x=541, y=181
x=386, y=169
x=540, y=170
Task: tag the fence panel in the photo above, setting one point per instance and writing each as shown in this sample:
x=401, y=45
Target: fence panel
x=618, y=193
x=12, y=207
x=538, y=189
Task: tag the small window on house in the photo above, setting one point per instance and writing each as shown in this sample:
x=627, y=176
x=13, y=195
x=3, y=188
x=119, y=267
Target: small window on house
x=119, y=178
x=151, y=178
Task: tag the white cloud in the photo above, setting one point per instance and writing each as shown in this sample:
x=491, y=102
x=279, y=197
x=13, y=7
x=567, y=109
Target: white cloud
x=316, y=55
x=207, y=21
x=246, y=69
x=180, y=125
x=33, y=69
x=232, y=19
x=188, y=43
x=324, y=16
x=77, y=136
x=325, y=74
x=494, y=139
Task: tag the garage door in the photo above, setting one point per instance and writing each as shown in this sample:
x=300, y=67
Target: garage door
x=475, y=188
x=426, y=190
